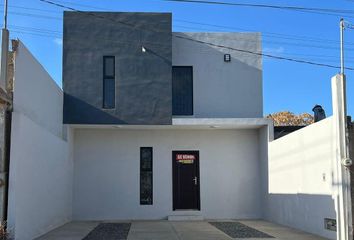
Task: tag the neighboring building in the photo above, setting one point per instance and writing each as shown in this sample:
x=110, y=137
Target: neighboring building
x=281, y=131
x=164, y=124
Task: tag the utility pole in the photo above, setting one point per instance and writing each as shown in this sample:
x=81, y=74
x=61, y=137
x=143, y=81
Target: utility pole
x=4, y=51
x=341, y=29
x=343, y=163
x=6, y=103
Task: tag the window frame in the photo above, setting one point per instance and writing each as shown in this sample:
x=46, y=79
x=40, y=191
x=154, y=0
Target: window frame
x=192, y=90
x=108, y=77
x=152, y=178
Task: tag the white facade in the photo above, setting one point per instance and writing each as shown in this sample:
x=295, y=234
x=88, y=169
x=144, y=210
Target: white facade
x=225, y=128
x=106, y=175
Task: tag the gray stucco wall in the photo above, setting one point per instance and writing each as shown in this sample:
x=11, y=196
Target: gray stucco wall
x=143, y=79
x=222, y=89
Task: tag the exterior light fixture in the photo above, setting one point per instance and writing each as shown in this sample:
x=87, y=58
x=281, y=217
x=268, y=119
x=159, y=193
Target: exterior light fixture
x=227, y=58
x=143, y=49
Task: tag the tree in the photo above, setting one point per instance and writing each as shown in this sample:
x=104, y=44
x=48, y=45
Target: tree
x=287, y=118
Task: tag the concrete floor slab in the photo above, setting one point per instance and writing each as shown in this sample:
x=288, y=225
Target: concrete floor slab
x=152, y=236
x=150, y=226
x=198, y=231
x=186, y=230
x=215, y=235
x=278, y=231
x=192, y=226
x=70, y=231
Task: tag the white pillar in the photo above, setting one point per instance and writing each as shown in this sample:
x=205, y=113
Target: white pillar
x=341, y=173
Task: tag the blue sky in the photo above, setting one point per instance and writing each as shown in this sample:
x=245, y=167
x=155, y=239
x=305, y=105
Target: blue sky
x=287, y=85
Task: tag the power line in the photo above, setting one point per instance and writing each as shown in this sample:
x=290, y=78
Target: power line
x=294, y=44
x=207, y=43
x=320, y=11
x=30, y=8
x=221, y=46
x=41, y=30
x=81, y=5
x=265, y=41
x=264, y=33
x=186, y=27
x=211, y=44
x=24, y=30
x=34, y=15
x=59, y=34
x=296, y=8
x=269, y=34
x=260, y=54
x=35, y=34
x=132, y=26
x=27, y=29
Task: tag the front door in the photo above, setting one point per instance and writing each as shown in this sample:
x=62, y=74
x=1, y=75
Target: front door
x=186, y=190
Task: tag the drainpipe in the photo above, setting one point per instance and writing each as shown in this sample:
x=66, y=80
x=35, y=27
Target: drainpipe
x=6, y=161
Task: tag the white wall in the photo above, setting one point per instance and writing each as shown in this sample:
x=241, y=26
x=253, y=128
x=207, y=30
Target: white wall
x=40, y=184
x=106, y=172
x=265, y=135
x=223, y=89
x=300, y=179
x=36, y=95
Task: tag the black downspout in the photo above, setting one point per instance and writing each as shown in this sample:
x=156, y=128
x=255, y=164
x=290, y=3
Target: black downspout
x=7, y=148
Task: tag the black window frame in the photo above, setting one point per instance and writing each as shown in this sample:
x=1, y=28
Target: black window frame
x=192, y=91
x=108, y=78
x=146, y=171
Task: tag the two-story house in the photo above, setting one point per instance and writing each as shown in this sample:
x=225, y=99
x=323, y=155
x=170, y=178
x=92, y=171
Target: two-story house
x=150, y=124
x=155, y=124
x=166, y=123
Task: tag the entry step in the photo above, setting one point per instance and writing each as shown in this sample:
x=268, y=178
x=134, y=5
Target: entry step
x=185, y=218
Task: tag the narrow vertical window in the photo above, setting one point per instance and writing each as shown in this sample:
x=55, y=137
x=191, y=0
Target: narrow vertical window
x=182, y=90
x=146, y=175
x=109, y=83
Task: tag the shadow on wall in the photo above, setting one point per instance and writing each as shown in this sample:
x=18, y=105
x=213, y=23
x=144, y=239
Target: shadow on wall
x=302, y=211
x=216, y=93
x=87, y=112
x=298, y=181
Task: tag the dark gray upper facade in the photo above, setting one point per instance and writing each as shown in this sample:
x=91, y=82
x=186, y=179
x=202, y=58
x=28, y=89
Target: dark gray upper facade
x=142, y=48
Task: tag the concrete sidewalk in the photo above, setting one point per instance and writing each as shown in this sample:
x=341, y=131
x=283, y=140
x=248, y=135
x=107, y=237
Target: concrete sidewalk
x=183, y=230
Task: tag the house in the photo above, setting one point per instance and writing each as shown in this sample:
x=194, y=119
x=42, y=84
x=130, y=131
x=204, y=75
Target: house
x=165, y=125
x=154, y=124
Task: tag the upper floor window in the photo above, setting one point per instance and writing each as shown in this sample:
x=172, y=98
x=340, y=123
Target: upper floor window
x=182, y=90
x=109, y=83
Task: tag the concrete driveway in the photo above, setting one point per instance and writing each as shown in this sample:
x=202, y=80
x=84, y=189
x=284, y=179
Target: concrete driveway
x=181, y=230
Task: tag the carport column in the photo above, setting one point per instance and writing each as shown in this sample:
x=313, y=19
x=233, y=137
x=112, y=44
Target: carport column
x=341, y=173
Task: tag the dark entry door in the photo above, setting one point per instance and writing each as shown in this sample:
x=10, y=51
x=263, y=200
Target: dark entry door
x=186, y=189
